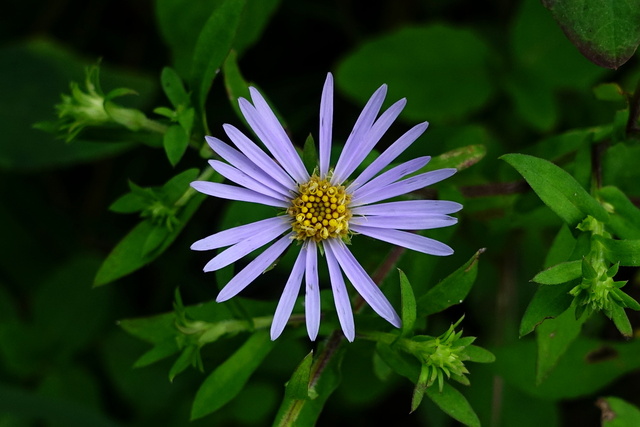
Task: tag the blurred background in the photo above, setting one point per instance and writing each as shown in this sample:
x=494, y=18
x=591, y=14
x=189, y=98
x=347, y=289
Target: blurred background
x=497, y=73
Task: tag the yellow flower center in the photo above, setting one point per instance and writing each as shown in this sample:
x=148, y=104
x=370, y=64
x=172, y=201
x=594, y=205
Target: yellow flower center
x=320, y=211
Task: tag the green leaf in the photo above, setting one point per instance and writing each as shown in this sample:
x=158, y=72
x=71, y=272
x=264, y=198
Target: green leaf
x=235, y=83
x=174, y=87
x=547, y=302
x=408, y=305
x=128, y=255
x=213, y=45
x=175, y=141
x=479, y=355
x=452, y=290
x=228, y=379
x=624, y=219
x=587, y=367
x=554, y=336
x=160, y=351
x=33, y=74
x=621, y=320
x=605, y=32
x=404, y=59
x=298, y=385
x=420, y=388
x=625, y=252
x=459, y=158
x=454, y=404
x=310, y=154
x=296, y=393
x=173, y=189
x=183, y=361
x=609, y=92
x=559, y=273
x=618, y=413
x=557, y=189
x=561, y=248
x=128, y=203
x=325, y=377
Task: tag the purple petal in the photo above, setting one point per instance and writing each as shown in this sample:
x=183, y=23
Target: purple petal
x=405, y=239
x=403, y=187
x=361, y=128
x=373, y=137
x=391, y=176
x=326, y=124
x=341, y=297
x=231, y=192
x=241, y=178
x=409, y=207
x=405, y=222
x=288, y=297
x=246, y=246
x=242, y=162
x=312, y=294
x=254, y=268
x=234, y=235
x=266, y=126
x=362, y=282
x=259, y=157
x=389, y=155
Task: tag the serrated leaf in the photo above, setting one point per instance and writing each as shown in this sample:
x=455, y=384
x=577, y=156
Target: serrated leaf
x=625, y=252
x=174, y=87
x=547, y=302
x=451, y=290
x=213, y=46
x=605, y=32
x=559, y=273
x=228, y=379
x=454, y=404
x=175, y=142
x=557, y=189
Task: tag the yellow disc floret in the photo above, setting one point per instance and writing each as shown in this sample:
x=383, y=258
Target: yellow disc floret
x=320, y=211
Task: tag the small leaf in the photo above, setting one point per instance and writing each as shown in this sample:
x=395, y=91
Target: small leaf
x=235, y=84
x=154, y=239
x=310, y=154
x=128, y=203
x=459, y=158
x=625, y=252
x=621, y=320
x=609, y=92
x=624, y=220
x=605, y=32
x=173, y=189
x=228, y=379
x=547, y=302
x=626, y=299
x=408, y=306
x=185, y=360
x=454, y=404
x=174, y=87
x=452, y=290
x=618, y=413
x=421, y=386
x=213, y=46
x=160, y=351
x=559, y=273
x=479, y=354
x=175, y=141
x=298, y=385
x=557, y=189
x=554, y=336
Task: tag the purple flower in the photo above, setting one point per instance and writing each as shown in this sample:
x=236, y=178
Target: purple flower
x=323, y=209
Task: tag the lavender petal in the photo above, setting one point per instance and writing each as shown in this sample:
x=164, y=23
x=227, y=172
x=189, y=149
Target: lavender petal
x=409, y=207
x=405, y=222
x=254, y=269
x=405, y=239
x=289, y=296
x=231, y=192
x=341, y=297
x=391, y=176
x=326, y=125
x=312, y=294
x=246, y=181
x=234, y=235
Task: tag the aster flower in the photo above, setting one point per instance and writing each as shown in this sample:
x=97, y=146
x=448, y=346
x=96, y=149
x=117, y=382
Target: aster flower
x=321, y=211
